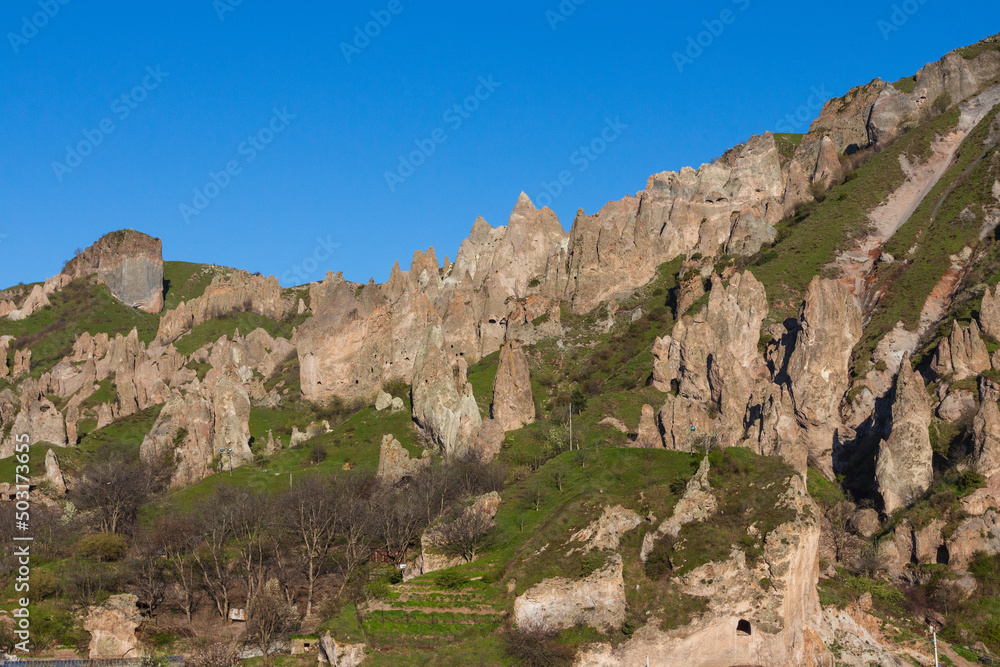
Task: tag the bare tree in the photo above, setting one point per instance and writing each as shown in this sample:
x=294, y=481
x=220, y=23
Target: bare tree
x=464, y=535
x=176, y=538
x=213, y=654
x=845, y=543
x=397, y=522
x=213, y=555
x=148, y=577
x=355, y=527
x=270, y=619
x=310, y=515
x=252, y=515
x=114, y=491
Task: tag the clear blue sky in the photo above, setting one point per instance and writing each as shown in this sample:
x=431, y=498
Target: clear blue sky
x=226, y=66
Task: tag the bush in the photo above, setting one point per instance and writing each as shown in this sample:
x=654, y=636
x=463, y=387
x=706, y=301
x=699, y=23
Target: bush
x=536, y=646
x=102, y=547
x=450, y=579
x=318, y=452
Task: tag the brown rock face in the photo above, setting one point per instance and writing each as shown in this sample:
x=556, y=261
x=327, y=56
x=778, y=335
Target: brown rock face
x=597, y=601
x=961, y=355
x=713, y=359
x=190, y=420
x=112, y=627
x=903, y=469
x=781, y=616
x=829, y=328
x=986, y=439
x=130, y=263
x=989, y=314
x=443, y=404
x=649, y=433
x=513, y=404
x=346, y=346
x=394, y=462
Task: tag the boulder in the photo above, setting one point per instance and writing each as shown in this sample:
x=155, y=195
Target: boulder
x=903, y=467
x=865, y=522
x=112, y=627
x=383, y=401
x=956, y=405
x=130, y=263
x=513, y=403
x=433, y=556
x=597, y=601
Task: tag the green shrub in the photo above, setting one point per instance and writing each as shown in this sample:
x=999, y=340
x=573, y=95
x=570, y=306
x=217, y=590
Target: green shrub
x=450, y=579
x=318, y=453
x=102, y=547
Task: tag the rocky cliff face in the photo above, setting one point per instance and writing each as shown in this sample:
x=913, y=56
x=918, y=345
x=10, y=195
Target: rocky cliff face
x=762, y=614
x=904, y=467
x=513, y=404
x=130, y=263
x=443, y=404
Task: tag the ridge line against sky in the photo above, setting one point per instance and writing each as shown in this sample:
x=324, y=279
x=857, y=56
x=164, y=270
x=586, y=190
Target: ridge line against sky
x=297, y=141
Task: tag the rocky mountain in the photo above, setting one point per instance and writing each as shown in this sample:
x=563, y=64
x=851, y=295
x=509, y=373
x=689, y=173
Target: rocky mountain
x=748, y=415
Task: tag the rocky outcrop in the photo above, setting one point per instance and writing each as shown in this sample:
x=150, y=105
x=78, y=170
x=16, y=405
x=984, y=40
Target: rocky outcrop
x=40, y=419
x=513, y=404
x=53, y=474
x=443, y=404
x=332, y=652
x=605, y=532
x=713, y=360
x=829, y=328
x=183, y=436
x=903, y=468
x=112, y=627
x=434, y=554
x=961, y=355
x=130, y=263
x=345, y=348
x=394, y=462
x=648, y=435
x=597, y=601
x=697, y=504
x=768, y=612
x=989, y=313
x=985, y=457
x=229, y=292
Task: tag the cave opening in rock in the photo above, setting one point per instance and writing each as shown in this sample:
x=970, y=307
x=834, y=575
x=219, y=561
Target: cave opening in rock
x=942, y=555
x=743, y=628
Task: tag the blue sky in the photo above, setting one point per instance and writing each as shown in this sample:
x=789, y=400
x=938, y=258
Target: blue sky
x=247, y=134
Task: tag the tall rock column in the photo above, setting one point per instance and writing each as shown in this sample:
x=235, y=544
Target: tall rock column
x=830, y=327
x=904, y=465
x=443, y=404
x=513, y=404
